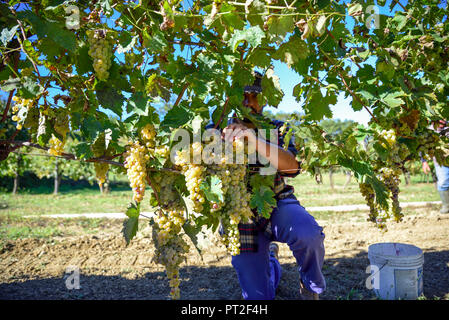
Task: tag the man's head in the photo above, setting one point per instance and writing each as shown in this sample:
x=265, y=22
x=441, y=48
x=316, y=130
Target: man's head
x=250, y=94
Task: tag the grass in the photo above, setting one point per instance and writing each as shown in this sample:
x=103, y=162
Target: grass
x=311, y=194
x=41, y=201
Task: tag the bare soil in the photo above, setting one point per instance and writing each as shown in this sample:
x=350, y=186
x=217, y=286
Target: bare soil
x=36, y=268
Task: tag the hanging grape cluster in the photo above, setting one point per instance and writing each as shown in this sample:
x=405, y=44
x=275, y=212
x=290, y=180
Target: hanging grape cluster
x=136, y=158
x=20, y=103
x=171, y=248
x=101, y=52
x=61, y=126
x=99, y=150
x=387, y=173
x=194, y=174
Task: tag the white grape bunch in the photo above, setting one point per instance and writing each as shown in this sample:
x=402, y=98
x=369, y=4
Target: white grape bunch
x=100, y=51
x=61, y=126
x=20, y=103
x=171, y=248
x=235, y=207
x=98, y=150
x=136, y=157
x=194, y=175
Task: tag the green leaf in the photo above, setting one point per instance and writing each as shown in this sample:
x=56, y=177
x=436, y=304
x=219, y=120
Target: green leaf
x=83, y=150
x=138, y=103
x=133, y=210
x=318, y=106
x=212, y=189
x=129, y=229
x=53, y=30
x=272, y=88
x=158, y=86
x=257, y=180
x=251, y=35
x=292, y=51
x=90, y=127
x=131, y=225
x=263, y=200
x=110, y=98
x=393, y=99
x=156, y=43
x=281, y=25
x=7, y=35
x=192, y=232
x=177, y=117
x=30, y=88
x=126, y=42
x=259, y=57
x=254, y=10
x=11, y=84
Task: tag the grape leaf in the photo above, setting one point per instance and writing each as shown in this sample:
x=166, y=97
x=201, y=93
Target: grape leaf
x=393, y=99
x=192, y=232
x=318, y=105
x=83, y=150
x=129, y=229
x=110, y=98
x=272, y=88
x=131, y=224
x=281, y=25
x=263, y=200
x=257, y=180
x=52, y=30
x=177, y=117
x=212, y=189
x=7, y=35
x=251, y=35
x=292, y=51
x=156, y=43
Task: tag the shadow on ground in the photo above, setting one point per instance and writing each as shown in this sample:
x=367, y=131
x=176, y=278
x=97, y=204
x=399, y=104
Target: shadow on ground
x=345, y=279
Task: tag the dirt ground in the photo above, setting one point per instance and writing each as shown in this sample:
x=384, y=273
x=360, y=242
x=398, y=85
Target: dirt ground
x=36, y=268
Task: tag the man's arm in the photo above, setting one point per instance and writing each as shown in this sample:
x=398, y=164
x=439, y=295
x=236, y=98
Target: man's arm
x=283, y=160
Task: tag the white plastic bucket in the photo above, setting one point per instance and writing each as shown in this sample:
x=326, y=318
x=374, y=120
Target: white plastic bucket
x=396, y=270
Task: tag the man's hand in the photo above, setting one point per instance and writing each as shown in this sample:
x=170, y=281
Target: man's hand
x=425, y=167
x=237, y=131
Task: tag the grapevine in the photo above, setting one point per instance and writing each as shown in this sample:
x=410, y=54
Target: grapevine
x=204, y=54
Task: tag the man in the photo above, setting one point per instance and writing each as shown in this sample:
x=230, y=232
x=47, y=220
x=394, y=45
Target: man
x=257, y=265
x=442, y=172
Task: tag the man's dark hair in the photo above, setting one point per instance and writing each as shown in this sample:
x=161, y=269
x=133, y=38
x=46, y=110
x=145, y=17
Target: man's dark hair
x=256, y=87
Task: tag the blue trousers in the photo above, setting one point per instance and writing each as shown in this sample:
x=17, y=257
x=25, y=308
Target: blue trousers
x=442, y=173
x=259, y=272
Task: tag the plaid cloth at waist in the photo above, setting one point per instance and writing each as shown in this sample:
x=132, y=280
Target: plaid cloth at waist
x=250, y=231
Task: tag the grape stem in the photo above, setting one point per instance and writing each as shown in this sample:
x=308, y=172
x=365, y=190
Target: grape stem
x=184, y=88
x=155, y=194
x=11, y=93
x=70, y=156
x=222, y=113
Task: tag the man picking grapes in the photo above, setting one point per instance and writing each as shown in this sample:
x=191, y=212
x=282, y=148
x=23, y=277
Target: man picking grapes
x=257, y=265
